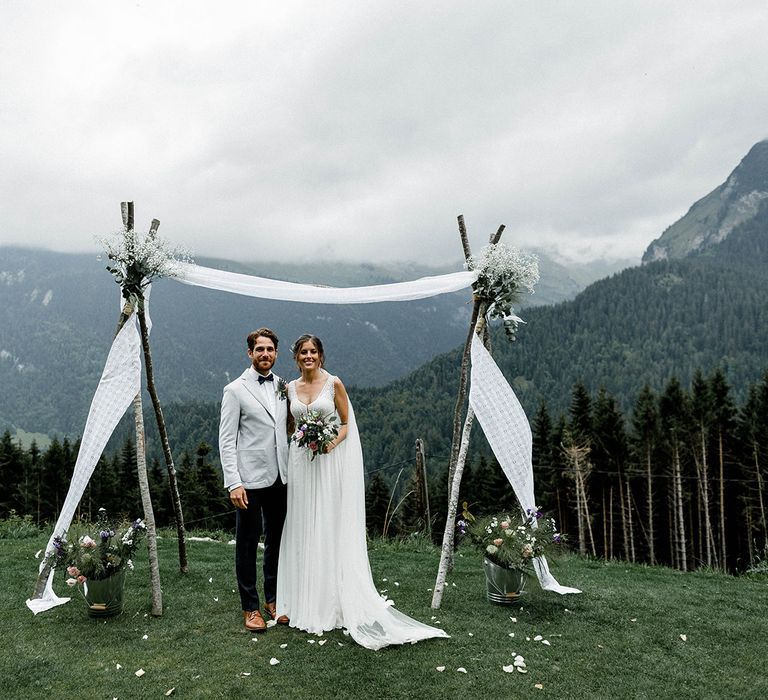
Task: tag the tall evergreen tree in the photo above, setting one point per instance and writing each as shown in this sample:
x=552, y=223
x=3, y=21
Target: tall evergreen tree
x=645, y=440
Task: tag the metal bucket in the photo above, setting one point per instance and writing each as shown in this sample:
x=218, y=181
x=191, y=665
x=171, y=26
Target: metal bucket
x=104, y=598
x=503, y=586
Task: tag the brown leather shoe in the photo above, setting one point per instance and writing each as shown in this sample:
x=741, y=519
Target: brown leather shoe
x=271, y=610
x=254, y=622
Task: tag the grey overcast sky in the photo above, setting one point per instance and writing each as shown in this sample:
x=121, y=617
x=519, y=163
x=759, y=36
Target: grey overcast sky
x=358, y=130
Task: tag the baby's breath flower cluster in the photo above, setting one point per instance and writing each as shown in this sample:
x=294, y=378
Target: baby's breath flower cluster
x=505, y=274
x=100, y=556
x=513, y=544
x=137, y=260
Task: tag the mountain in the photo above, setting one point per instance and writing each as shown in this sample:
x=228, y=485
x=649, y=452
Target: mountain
x=641, y=326
x=58, y=314
x=714, y=217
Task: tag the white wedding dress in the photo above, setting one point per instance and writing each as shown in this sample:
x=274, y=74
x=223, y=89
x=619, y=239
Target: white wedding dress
x=324, y=579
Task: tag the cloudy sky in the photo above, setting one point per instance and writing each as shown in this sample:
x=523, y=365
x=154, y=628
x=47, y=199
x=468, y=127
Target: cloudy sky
x=359, y=130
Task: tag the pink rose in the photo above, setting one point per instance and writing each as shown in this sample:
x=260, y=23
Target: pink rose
x=73, y=571
x=81, y=579
x=498, y=542
x=87, y=542
x=504, y=524
x=313, y=446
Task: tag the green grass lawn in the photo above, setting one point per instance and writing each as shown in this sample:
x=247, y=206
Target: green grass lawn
x=621, y=638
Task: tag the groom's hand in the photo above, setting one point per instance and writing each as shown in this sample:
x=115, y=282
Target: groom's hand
x=239, y=498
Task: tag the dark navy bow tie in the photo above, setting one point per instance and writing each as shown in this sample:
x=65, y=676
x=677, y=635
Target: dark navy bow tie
x=270, y=378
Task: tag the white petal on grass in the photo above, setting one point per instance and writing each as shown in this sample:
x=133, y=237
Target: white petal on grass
x=254, y=639
x=273, y=661
x=538, y=638
x=546, y=641
x=539, y=686
x=684, y=637
x=170, y=692
x=231, y=542
x=215, y=599
x=139, y=673
x=440, y=668
x=396, y=583
x=271, y=623
x=38, y=553
x=634, y=619
x=283, y=646
x=145, y=637
x=514, y=619
x=118, y=667
x=471, y=634
x=461, y=669
x=520, y=669
x=311, y=641
x=508, y=669
x=210, y=580
x=245, y=673
x=511, y=634
x=321, y=642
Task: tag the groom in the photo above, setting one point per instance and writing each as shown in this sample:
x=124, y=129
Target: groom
x=253, y=446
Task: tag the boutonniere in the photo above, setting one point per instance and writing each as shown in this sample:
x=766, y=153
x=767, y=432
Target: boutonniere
x=282, y=390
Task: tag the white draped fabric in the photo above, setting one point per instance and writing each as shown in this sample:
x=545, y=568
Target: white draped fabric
x=264, y=288
x=508, y=433
x=120, y=382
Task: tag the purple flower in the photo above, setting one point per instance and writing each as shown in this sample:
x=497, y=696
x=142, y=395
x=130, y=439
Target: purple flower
x=556, y=538
x=106, y=534
x=59, y=545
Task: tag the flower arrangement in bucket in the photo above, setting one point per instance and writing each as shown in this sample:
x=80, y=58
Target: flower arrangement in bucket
x=509, y=547
x=98, y=563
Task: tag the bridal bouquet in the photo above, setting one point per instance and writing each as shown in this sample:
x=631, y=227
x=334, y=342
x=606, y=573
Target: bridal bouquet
x=512, y=544
x=99, y=556
x=315, y=432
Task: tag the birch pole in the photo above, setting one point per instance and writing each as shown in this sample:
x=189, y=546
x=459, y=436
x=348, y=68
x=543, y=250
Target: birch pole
x=149, y=513
x=126, y=209
x=460, y=446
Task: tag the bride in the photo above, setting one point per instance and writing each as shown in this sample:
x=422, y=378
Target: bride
x=324, y=578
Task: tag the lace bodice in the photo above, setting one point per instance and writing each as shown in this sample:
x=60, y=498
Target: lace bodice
x=324, y=402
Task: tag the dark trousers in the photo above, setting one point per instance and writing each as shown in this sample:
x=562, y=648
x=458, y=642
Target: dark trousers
x=266, y=511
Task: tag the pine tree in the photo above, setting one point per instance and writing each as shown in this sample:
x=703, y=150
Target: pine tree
x=645, y=439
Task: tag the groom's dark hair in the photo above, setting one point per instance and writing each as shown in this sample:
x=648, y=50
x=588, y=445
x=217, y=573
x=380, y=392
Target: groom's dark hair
x=264, y=332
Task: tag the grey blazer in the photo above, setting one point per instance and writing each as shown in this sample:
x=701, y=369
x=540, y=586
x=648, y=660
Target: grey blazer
x=253, y=442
